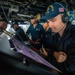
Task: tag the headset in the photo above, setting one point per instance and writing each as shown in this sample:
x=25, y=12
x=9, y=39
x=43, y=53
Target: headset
x=65, y=17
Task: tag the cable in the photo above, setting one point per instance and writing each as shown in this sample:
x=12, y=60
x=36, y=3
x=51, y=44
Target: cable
x=5, y=31
x=4, y=12
x=11, y=35
x=31, y=52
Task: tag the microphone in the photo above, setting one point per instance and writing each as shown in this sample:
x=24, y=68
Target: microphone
x=61, y=28
x=8, y=33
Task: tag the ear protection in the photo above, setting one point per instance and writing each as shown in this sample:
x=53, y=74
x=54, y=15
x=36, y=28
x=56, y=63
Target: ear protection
x=65, y=17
